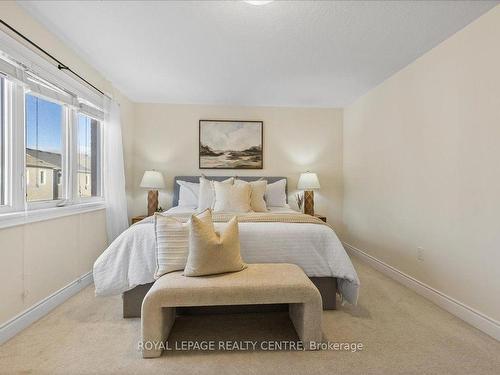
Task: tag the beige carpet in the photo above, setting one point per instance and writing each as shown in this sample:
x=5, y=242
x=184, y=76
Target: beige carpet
x=402, y=333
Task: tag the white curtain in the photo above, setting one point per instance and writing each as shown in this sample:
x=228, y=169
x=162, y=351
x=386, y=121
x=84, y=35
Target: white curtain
x=114, y=172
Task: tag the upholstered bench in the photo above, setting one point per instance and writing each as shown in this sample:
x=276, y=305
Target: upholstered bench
x=257, y=284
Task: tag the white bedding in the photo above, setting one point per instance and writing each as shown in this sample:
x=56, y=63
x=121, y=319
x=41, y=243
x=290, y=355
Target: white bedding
x=130, y=260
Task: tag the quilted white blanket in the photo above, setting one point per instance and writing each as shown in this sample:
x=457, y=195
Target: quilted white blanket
x=130, y=260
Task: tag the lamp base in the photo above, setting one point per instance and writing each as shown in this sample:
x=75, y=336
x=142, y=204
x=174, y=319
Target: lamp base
x=152, y=202
x=309, y=202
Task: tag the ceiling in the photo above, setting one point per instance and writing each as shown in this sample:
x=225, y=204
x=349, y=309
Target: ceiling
x=297, y=53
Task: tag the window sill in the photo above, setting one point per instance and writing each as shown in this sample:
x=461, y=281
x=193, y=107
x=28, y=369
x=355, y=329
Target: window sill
x=25, y=217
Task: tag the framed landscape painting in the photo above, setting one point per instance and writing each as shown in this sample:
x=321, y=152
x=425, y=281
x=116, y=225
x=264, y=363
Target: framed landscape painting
x=226, y=144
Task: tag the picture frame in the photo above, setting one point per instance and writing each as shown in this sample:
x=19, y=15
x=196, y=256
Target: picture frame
x=231, y=144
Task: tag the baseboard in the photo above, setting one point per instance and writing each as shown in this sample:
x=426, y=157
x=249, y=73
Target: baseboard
x=475, y=318
x=42, y=308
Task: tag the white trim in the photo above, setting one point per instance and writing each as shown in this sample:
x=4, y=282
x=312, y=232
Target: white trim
x=475, y=318
x=42, y=308
x=9, y=138
x=5, y=144
x=25, y=217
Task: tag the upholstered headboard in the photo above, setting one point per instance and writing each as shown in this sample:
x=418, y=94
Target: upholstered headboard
x=175, y=200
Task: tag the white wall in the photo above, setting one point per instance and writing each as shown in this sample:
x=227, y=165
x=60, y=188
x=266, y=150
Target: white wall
x=295, y=140
x=421, y=168
x=40, y=258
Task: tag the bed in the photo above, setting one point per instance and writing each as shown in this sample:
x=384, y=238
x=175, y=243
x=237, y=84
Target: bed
x=127, y=266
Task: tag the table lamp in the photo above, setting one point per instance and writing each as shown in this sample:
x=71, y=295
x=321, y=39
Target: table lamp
x=152, y=180
x=307, y=182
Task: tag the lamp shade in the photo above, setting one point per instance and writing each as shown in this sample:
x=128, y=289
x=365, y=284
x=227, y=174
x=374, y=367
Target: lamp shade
x=308, y=181
x=152, y=180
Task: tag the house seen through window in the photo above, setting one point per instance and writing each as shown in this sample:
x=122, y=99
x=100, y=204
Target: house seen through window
x=88, y=156
x=44, y=149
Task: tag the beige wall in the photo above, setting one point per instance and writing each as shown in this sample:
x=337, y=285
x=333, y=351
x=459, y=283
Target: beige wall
x=295, y=140
x=40, y=258
x=421, y=168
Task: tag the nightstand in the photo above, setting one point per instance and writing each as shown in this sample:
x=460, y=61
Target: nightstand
x=320, y=217
x=135, y=219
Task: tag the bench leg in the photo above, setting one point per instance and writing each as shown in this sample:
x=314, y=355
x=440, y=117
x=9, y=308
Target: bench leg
x=156, y=324
x=306, y=318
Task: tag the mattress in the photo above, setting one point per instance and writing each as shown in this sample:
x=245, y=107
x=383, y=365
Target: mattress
x=130, y=260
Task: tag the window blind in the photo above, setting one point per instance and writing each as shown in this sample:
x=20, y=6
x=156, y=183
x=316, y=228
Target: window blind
x=11, y=70
x=92, y=111
x=40, y=86
x=44, y=86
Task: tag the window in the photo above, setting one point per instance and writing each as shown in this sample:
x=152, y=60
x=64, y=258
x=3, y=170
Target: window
x=88, y=141
x=2, y=146
x=50, y=138
x=44, y=148
x=41, y=177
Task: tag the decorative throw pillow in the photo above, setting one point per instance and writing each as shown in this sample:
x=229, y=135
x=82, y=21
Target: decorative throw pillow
x=172, y=242
x=206, y=195
x=188, y=193
x=276, y=194
x=232, y=198
x=211, y=253
x=258, y=189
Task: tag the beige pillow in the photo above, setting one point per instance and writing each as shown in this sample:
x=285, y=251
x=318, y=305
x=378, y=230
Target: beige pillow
x=232, y=198
x=258, y=189
x=206, y=194
x=172, y=242
x=211, y=253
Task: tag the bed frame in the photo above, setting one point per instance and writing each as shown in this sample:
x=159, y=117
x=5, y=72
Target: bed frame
x=175, y=200
x=132, y=299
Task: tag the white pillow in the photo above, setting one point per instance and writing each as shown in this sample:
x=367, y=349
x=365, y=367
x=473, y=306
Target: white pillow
x=172, y=242
x=206, y=195
x=188, y=193
x=275, y=194
x=258, y=189
x=232, y=198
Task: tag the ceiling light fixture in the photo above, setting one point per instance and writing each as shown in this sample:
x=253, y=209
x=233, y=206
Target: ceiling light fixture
x=258, y=2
